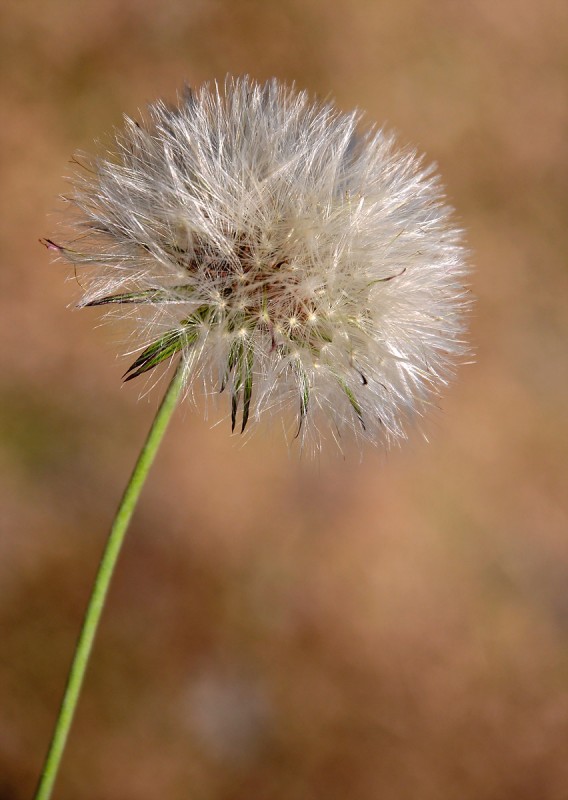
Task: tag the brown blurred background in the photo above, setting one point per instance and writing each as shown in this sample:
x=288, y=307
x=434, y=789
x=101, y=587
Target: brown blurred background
x=385, y=627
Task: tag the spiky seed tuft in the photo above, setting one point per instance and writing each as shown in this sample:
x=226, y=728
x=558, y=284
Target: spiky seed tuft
x=284, y=255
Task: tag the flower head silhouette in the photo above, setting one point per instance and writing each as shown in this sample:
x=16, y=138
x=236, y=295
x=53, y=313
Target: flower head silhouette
x=289, y=259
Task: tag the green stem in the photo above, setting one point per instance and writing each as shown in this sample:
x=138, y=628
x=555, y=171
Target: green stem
x=102, y=581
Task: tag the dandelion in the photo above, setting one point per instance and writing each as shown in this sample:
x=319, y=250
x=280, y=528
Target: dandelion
x=291, y=261
x=284, y=259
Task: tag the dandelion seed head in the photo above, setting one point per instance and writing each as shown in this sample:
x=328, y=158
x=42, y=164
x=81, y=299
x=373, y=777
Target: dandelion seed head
x=293, y=261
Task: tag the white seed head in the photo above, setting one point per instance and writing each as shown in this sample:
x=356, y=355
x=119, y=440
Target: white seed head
x=289, y=259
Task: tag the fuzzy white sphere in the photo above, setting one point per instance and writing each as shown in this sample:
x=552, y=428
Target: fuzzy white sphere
x=290, y=260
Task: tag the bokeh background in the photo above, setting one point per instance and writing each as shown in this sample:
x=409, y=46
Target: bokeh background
x=392, y=627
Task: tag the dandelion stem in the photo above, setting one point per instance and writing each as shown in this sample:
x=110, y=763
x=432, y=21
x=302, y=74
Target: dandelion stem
x=101, y=585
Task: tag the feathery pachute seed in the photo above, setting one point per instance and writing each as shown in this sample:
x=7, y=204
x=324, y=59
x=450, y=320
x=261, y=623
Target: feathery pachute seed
x=281, y=252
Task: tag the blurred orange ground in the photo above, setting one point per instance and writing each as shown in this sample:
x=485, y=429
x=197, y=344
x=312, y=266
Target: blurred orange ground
x=384, y=627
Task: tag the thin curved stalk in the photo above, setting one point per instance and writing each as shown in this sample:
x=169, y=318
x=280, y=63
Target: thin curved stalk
x=101, y=585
